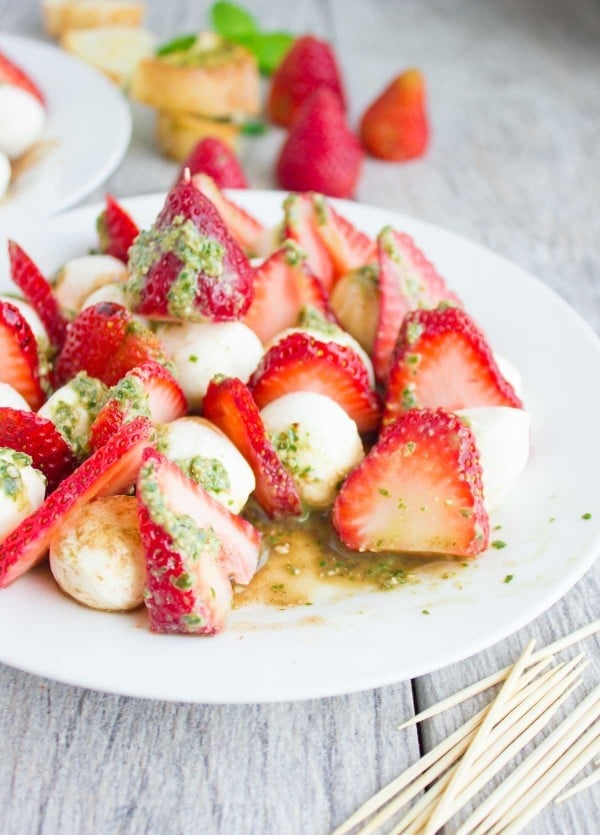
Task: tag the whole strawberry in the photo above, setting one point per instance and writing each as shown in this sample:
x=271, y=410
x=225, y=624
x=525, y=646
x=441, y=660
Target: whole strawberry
x=321, y=153
x=308, y=66
x=211, y=156
x=395, y=126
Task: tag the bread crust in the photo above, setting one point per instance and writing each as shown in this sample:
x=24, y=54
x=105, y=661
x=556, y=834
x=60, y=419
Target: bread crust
x=61, y=15
x=178, y=133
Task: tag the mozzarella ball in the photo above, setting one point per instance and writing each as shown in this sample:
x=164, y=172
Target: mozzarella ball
x=108, y=293
x=98, y=558
x=73, y=408
x=199, y=350
x=81, y=276
x=22, y=489
x=206, y=455
x=510, y=373
x=11, y=397
x=317, y=443
x=30, y=316
x=502, y=438
x=355, y=302
x=5, y=174
x=22, y=120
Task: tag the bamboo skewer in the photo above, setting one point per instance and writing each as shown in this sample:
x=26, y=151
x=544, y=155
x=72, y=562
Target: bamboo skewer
x=579, y=787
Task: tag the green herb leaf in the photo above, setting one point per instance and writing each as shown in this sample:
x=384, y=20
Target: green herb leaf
x=179, y=44
x=231, y=21
x=253, y=127
x=509, y=578
x=268, y=48
x=498, y=544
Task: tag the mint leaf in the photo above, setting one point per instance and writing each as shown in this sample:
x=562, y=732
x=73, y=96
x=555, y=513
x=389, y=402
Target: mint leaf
x=269, y=48
x=231, y=21
x=179, y=44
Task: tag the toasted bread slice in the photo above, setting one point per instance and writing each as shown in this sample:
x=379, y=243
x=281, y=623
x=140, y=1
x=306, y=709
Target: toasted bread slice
x=114, y=50
x=178, y=133
x=61, y=15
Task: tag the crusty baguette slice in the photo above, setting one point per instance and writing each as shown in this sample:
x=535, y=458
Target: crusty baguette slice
x=61, y=15
x=178, y=133
x=114, y=50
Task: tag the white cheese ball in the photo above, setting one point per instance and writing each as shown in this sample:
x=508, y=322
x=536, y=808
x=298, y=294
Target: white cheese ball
x=73, y=408
x=224, y=472
x=22, y=489
x=108, y=293
x=78, y=279
x=22, y=119
x=199, y=350
x=502, y=438
x=10, y=397
x=316, y=441
x=30, y=316
x=98, y=558
x=5, y=174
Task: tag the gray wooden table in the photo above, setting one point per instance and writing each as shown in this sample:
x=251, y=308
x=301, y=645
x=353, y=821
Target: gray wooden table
x=515, y=163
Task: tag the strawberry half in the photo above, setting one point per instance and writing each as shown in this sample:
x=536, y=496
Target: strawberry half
x=188, y=266
x=419, y=490
x=443, y=360
x=110, y=470
x=348, y=247
x=300, y=225
x=213, y=157
x=39, y=293
x=116, y=229
x=149, y=390
x=299, y=362
x=246, y=230
x=10, y=73
x=229, y=405
x=407, y=280
x=20, y=366
x=40, y=439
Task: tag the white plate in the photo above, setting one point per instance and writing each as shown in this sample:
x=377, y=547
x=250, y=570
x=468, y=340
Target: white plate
x=374, y=638
x=87, y=132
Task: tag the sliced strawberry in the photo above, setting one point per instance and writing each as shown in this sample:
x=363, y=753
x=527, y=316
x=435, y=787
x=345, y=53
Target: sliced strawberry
x=229, y=404
x=149, y=390
x=407, y=280
x=299, y=362
x=39, y=293
x=112, y=469
x=10, y=73
x=245, y=229
x=201, y=275
x=20, y=364
x=443, y=360
x=419, y=490
x=348, y=247
x=39, y=438
x=139, y=346
x=300, y=224
x=116, y=229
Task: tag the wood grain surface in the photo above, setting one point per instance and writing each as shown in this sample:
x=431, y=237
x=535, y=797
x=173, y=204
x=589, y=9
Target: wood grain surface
x=515, y=164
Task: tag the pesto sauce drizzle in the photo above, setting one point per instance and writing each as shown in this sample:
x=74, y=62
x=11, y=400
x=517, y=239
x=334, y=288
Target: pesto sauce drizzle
x=208, y=472
x=11, y=479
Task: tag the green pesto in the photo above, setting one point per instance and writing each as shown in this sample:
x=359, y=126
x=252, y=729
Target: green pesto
x=498, y=544
x=313, y=320
x=586, y=516
x=132, y=397
x=413, y=332
x=409, y=401
x=368, y=275
x=195, y=53
x=91, y=391
x=102, y=230
x=288, y=444
x=11, y=480
x=294, y=254
x=209, y=472
x=92, y=394
x=509, y=578
x=320, y=205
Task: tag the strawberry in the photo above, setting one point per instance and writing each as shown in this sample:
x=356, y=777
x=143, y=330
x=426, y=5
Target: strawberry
x=213, y=157
x=10, y=73
x=110, y=470
x=348, y=248
x=139, y=346
x=39, y=294
x=245, y=229
x=148, y=390
x=320, y=153
x=20, y=366
x=116, y=229
x=309, y=65
x=299, y=362
x=419, y=490
x=407, y=280
x=395, y=125
x=229, y=404
x=188, y=266
x=443, y=359
x=39, y=438
x=300, y=225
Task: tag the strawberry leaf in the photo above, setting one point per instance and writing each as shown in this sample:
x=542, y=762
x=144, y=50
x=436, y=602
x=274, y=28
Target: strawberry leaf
x=232, y=21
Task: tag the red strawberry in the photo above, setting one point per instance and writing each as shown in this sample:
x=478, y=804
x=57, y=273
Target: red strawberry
x=38, y=292
x=348, y=248
x=39, y=438
x=246, y=230
x=229, y=404
x=10, y=73
x=302, y=363
x=443, y=359
x=308, y=66
x=165, y=286
x=110, y=470
x=20, y=365
x=407, y=280
x=419, y=490
x=300, y=225
x=395, y=126
x=139, y=346
x=320, y=153
x=213, y=157
x=148, y=390
x=116, y=229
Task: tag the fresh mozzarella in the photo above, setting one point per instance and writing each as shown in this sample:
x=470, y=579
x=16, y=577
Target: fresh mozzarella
x=81, y=276
x=206, y=455
x=316, y=441
x=502, y=438
x=22, y=489
x=73, y=408
x=22, y=120
x=512, y=374
x=201, y=350
x=30, y=316
x=108, y=293
x=10, y=397
x=98, y=558
x=5, y=174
